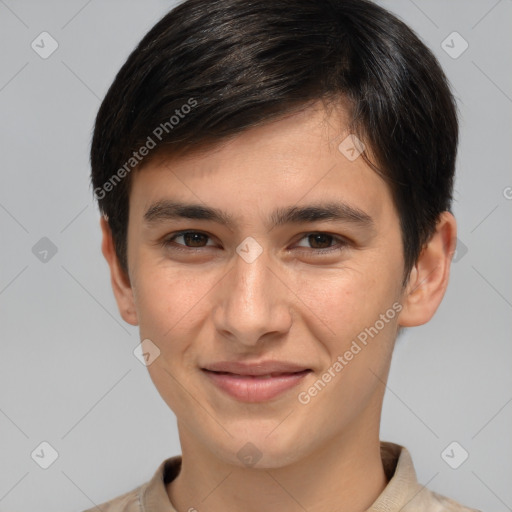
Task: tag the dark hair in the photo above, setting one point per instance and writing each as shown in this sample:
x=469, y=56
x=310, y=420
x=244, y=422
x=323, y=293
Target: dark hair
x=210, y=69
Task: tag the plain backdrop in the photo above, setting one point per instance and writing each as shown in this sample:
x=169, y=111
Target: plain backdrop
x=68, y=375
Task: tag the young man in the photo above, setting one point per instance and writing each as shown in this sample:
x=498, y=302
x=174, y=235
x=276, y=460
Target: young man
x=275, y=179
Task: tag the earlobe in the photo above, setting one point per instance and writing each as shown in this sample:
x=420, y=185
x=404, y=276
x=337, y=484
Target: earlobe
x=120, y=282
x=429, y=278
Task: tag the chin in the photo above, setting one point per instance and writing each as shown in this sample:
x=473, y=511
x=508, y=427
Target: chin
x=257, y=449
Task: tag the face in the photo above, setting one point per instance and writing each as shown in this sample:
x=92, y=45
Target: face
x=307, y=272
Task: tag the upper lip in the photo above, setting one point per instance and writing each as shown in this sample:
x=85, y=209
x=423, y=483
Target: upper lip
x=257, y=368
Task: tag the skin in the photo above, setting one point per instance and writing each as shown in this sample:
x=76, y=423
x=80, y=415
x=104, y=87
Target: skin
x=289, y=304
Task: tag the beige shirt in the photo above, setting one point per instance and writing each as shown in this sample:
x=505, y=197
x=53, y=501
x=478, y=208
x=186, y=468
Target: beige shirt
x=403, y=492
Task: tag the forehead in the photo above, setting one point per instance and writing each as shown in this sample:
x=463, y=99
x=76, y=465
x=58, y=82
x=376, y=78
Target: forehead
x=299, y=159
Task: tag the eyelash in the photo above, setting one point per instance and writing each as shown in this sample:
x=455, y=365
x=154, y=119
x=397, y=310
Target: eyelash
x=168, y=242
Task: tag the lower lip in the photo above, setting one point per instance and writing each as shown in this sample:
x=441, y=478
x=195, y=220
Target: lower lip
x=253, y=389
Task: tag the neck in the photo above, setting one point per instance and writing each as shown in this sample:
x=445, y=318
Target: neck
x=345, y=474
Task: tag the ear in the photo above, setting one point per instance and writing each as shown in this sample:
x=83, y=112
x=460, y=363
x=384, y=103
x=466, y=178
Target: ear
x=429, y=278
x=120, y=281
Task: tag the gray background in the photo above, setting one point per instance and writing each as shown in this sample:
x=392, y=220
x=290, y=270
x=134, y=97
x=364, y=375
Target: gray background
x=68, y=375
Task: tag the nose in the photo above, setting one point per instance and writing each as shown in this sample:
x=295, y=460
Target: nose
x=252, y=303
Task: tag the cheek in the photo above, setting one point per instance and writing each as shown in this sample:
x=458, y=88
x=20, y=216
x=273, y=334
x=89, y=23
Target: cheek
x=166, y=301
x=169, y=304
x=342, y=299
x=346, y=304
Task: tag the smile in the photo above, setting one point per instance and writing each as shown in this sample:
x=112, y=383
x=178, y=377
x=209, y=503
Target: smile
x=255, y=388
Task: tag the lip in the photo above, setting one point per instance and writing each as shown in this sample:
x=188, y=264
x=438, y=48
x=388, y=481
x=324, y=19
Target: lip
x=255, y=382
x=255, y=368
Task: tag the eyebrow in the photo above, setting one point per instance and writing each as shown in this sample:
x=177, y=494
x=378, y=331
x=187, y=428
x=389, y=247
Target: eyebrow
x=165, y=210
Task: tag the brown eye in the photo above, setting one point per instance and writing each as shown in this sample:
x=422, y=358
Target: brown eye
x=191, y=239
x=322, y=243
x=320, y=240
x=194, y=239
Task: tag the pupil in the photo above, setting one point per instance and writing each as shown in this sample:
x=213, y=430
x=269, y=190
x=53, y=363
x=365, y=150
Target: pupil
x=193, y=238
x=317, y=237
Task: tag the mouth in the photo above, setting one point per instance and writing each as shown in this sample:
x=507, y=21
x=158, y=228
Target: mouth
x=264, y=376
x=255, y=388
